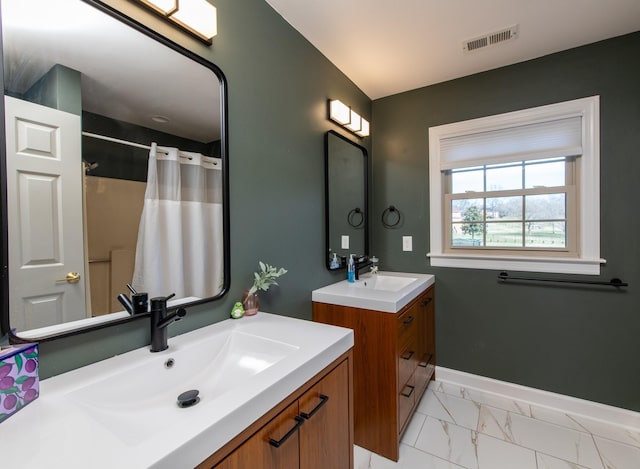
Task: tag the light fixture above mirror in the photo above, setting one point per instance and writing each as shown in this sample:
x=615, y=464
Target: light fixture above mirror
x=197, y=17
x=348, y=118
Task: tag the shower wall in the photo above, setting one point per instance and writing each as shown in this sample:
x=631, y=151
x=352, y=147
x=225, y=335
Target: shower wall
x=113, y=210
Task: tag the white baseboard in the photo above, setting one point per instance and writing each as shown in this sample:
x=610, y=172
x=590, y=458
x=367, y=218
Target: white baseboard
x=567, y=404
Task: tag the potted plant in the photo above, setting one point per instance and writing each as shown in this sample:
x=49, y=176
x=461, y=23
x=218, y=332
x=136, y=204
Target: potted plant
x=263, y=279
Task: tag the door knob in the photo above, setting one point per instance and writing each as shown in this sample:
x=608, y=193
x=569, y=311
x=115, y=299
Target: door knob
x=72, y=277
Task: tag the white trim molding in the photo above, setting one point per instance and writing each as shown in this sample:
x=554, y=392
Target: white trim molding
x=588, y=261
x=566, y=404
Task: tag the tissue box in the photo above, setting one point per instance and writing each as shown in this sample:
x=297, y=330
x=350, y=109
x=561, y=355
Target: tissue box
x=19, y=384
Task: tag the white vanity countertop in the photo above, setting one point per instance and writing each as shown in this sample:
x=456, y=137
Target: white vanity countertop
x=400, y=289
x=57, y=431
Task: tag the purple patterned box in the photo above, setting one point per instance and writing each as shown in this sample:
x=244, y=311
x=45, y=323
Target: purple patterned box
x=19, y=383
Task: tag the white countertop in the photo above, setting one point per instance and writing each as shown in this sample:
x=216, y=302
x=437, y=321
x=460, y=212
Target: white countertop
x=356, y=295
x=55, y=431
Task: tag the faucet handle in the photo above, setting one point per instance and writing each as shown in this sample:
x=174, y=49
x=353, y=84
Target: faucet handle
x=126, y=302
x=162, y=299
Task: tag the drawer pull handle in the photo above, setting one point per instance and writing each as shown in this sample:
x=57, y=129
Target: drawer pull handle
x=424, y=363
x=409, y=320
x=323, y=401
x=427, y=301
x=278, y=443
x=408, y=355
x=411, y=388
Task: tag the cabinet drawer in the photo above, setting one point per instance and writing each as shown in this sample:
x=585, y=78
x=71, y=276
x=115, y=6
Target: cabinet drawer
x=407, y=362
x=407, y=325
x=423, y=372
x=406, y=401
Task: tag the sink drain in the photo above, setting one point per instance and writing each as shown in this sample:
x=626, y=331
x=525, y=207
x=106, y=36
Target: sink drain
x=188, y=398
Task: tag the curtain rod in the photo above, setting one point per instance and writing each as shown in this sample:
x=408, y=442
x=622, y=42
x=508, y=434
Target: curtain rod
x=138, y=145
x=615, y=282
x=116, y=140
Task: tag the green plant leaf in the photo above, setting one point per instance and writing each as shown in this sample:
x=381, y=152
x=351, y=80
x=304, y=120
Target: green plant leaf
x=11, y=390
x=19, y=361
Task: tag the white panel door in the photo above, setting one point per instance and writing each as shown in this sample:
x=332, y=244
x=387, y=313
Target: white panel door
x=46, y=241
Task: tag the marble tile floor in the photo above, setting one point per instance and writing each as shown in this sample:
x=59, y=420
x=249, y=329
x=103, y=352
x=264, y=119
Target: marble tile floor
x=458, y=428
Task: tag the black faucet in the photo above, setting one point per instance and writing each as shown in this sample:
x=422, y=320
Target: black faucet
x=361, y=263
x=138, y=304
x=160, y=319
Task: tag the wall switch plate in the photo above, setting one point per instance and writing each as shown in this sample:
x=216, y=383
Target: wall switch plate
x=345, y=241
x=407, y=243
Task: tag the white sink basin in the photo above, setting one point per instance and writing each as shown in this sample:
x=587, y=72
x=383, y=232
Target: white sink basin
x=385, y=291
x=122, y=412
x=129, y=402
x=384, y=282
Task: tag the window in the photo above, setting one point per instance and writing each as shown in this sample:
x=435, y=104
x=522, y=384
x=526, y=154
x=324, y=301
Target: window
x=518, y=191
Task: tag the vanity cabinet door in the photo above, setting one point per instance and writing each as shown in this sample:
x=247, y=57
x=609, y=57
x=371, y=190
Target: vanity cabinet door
x=324, y=436
x=426, y=340
x=313, y=431
x=259, y=452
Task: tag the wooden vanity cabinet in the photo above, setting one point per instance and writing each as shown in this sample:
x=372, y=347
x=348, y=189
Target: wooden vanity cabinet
x=311, y=429
x=394, y=360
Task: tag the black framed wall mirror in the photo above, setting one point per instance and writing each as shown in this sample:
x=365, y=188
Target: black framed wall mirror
x=115, y=152
x=346, y=200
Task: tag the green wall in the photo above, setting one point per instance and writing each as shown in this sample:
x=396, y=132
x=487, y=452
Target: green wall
x=278, y=86
x=579, y=341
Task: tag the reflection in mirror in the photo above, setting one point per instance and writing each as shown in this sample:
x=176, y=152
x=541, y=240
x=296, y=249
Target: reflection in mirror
x=116, y=170
x=346, y=200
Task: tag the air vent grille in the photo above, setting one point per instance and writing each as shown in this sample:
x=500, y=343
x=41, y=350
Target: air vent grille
x=491, y=39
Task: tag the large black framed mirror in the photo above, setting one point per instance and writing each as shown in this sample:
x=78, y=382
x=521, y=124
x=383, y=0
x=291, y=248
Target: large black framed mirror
x=97, y=106
x=346, y=200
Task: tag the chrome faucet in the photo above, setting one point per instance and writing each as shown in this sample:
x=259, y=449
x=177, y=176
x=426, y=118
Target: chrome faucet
x=160, y=319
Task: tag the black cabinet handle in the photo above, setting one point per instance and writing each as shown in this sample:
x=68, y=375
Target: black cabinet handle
x=409, y=320
x=426, y=362
x=410, y=390
x=276, y=443
x=427, y=301
x=408, y=355
x=323, y=401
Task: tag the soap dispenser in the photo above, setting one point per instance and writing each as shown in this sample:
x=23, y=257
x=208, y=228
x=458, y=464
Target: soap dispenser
x=335, y=264
x=351, y=270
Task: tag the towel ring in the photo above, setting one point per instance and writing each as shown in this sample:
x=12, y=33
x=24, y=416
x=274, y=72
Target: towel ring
x=391, y=209
x=354, y=213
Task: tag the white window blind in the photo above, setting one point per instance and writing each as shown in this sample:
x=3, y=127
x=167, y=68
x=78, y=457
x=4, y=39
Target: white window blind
x=549, y=139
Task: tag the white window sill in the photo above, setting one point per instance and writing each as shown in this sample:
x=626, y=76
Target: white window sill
x=524, y=264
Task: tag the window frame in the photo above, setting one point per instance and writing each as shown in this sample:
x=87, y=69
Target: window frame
x=586, y=257
x=568, y=189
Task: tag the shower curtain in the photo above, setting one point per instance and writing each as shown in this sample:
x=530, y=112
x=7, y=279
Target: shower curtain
x=180, y=245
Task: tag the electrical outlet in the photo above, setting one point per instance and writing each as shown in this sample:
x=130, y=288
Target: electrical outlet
x=345, y=241
x=407, y=243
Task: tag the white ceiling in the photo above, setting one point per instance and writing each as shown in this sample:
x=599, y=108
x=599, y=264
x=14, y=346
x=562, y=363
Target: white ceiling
x=390, y=46
x=125, y=75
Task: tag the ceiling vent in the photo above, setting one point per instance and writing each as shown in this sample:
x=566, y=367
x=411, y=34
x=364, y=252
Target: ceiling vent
x=491, y=39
